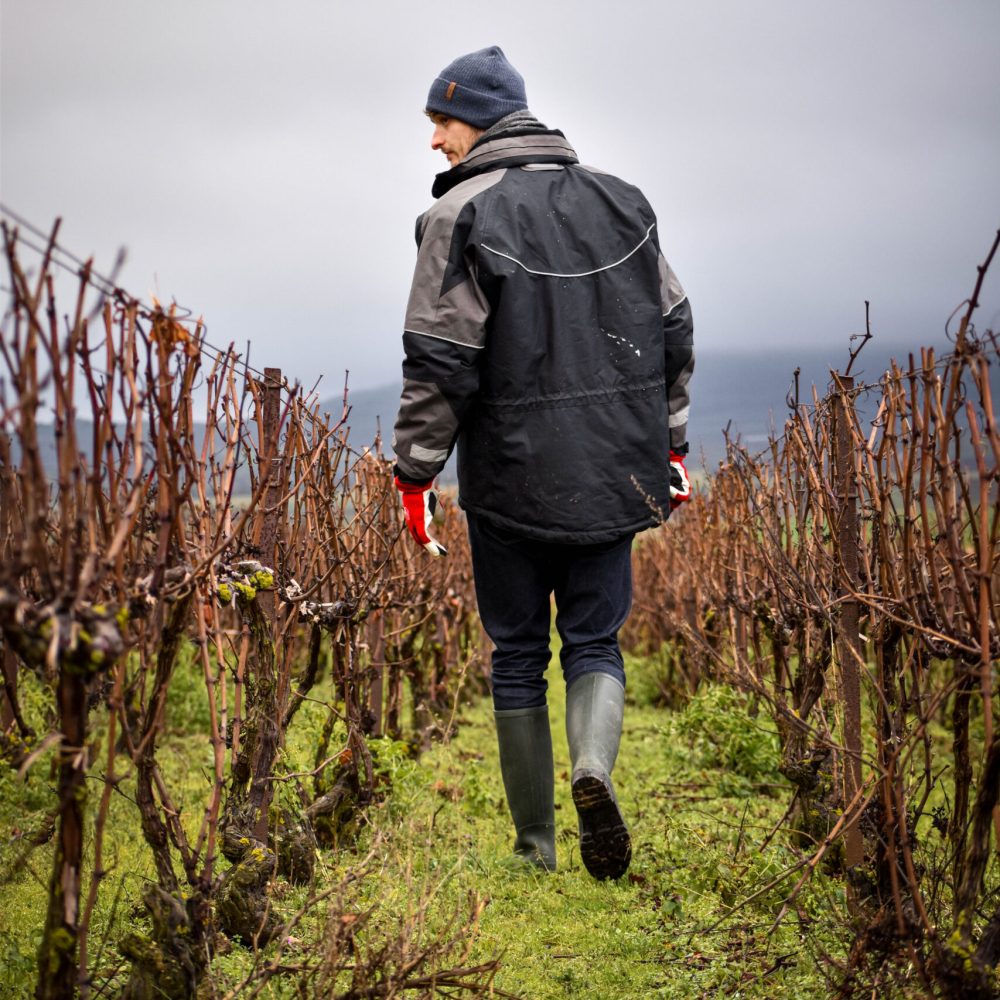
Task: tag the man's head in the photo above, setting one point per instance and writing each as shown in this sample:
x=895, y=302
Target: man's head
x=468, y=96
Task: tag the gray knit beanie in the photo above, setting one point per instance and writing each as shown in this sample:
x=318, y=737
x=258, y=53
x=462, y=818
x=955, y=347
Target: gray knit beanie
x=479, y=88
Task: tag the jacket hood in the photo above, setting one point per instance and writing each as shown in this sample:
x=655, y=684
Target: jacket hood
x=512, y=147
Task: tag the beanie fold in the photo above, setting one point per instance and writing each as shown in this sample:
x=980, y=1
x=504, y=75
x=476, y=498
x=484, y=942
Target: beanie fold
x=479, y=88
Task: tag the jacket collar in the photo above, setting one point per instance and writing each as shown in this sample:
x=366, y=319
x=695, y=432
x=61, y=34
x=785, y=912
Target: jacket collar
x=512, y=148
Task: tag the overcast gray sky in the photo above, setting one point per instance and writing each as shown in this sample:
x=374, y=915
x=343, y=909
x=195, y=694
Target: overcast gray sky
x=263, y=163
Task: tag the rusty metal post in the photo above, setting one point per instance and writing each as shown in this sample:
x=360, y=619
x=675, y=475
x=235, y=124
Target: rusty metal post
x=849, y=651
x=271, y=462
x=271, y=465
x=9, y=711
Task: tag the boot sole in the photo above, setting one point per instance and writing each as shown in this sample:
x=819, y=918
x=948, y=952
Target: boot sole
x=605, y=845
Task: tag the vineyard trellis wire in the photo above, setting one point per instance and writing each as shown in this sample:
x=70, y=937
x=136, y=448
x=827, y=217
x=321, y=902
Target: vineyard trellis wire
x=54, y=254
x=847, y=578
x=127, y=556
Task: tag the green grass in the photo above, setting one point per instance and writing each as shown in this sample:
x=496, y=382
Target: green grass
x=689, y=783
x=699, y=787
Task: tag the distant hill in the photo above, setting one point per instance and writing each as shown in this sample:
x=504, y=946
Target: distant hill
x=745, y=389
x=372, y=410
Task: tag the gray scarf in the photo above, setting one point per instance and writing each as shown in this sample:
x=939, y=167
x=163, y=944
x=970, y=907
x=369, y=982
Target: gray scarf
x=515, y=120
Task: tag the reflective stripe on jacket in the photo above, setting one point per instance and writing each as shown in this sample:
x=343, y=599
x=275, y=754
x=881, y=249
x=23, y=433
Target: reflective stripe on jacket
x=546, y=335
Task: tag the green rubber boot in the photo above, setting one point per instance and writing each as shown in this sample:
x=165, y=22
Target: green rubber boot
x=595, y=706
x=525, y=742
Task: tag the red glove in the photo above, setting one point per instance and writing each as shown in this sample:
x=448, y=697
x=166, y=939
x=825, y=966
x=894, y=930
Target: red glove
x=680, y=485
x=419, y=504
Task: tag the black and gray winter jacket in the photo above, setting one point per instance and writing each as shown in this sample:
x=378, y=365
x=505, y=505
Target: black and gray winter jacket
x=547, y=336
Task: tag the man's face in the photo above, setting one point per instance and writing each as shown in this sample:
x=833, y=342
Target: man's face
x=452, y=137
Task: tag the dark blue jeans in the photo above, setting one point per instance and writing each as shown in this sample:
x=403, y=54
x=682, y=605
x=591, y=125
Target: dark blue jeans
x=515, y=580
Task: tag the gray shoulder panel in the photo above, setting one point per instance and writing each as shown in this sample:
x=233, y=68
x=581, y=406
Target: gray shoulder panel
x=459, y=313
x=671, y=291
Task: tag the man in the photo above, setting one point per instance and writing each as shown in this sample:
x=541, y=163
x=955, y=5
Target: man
x=547, y=337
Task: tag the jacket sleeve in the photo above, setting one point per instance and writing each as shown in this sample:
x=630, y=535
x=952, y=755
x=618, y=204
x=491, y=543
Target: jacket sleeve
x=678, y=338
x=445, y=332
